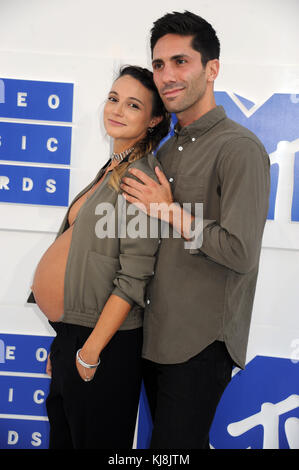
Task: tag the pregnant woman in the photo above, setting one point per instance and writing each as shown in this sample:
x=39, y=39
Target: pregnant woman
x=91, y=283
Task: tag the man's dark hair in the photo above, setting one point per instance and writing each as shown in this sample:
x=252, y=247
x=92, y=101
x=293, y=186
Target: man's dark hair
x=204, y=40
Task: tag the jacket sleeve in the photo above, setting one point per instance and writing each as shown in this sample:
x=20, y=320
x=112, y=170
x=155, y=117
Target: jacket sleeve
x=139, y=237
x=244, y=176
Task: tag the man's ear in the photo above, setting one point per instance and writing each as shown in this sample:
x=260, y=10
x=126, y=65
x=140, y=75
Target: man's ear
x=212, y=69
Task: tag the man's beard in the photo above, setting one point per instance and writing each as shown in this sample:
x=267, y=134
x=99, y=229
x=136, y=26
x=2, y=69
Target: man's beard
x=192, y=96
x=184, y=105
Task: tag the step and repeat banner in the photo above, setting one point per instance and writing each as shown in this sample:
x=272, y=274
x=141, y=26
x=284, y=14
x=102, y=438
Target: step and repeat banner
x=53, y=86
x=25, y=144
x=24, y=387
x=260, y=408
x=35, y=170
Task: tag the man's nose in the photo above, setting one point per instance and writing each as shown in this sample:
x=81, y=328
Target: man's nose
x=168, y=75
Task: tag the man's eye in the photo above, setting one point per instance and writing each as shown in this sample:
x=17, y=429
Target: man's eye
x=181, y=61
x=157, y=66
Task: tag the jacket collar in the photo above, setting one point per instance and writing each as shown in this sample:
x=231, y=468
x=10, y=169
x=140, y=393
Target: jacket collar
x=203, y=124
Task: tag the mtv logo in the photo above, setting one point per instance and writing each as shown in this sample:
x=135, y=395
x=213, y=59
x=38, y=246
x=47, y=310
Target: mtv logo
x=275, y=122
x=260, y=407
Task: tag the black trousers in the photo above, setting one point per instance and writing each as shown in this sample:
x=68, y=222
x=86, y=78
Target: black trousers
x=183, y=397
x=100, y=414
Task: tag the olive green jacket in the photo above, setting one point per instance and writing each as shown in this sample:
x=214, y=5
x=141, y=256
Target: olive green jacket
x=104, y=258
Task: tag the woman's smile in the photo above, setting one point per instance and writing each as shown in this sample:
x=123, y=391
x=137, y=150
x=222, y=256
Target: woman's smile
x=115, y=123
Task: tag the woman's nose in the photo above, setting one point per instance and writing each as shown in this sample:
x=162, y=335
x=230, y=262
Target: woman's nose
x=119, y=109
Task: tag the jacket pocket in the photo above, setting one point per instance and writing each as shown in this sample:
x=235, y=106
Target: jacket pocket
x=100, y=271
x=189, y=188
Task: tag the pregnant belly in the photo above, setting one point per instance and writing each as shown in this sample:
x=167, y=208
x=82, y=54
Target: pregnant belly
x=48, y=282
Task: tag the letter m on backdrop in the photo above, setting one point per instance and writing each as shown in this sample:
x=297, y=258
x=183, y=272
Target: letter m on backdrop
x=275, y=123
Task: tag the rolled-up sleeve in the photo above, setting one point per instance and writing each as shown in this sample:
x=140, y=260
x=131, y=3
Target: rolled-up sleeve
x=139, y=237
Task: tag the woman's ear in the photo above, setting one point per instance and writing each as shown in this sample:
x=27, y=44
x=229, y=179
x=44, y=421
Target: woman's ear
x=155, y=121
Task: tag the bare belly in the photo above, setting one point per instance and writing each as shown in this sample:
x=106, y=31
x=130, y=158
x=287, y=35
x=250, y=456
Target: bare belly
x=48, y=282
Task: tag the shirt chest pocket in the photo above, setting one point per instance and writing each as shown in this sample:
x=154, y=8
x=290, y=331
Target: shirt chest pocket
x=188, y=188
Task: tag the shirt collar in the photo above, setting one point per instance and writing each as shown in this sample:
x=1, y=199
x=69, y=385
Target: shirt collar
x=203, y=124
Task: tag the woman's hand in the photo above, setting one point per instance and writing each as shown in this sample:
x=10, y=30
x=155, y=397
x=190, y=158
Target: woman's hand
x=85, y=373
x=49, y=366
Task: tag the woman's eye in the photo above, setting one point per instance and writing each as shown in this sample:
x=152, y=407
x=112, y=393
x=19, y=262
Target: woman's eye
x=133, y=105
x=112, y=99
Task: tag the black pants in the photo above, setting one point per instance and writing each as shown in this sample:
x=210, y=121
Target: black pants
x=183, y=397
x=100, y=414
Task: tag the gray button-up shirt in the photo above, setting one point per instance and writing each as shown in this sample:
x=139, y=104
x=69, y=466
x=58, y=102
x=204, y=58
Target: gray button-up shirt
x=201, y=295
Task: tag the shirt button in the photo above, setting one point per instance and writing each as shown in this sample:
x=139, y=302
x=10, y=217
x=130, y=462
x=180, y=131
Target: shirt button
x=170, y=180
x=193, y=139
x=180, y=148
x=148, y=301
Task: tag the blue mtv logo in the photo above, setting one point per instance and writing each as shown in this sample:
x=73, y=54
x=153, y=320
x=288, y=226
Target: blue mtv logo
x=276, y=125
x=260, y=407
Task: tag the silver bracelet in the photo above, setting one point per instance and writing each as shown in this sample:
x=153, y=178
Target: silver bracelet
x=84, y=364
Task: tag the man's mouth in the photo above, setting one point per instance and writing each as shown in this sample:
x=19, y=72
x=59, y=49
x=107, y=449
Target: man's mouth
x=173, y=92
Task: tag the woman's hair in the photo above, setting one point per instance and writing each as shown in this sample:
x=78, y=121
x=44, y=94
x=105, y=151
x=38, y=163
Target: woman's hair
x=204, y=40
x=152, y=139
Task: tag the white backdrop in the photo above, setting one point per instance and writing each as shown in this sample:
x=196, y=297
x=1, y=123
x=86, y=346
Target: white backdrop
x=83, y=42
